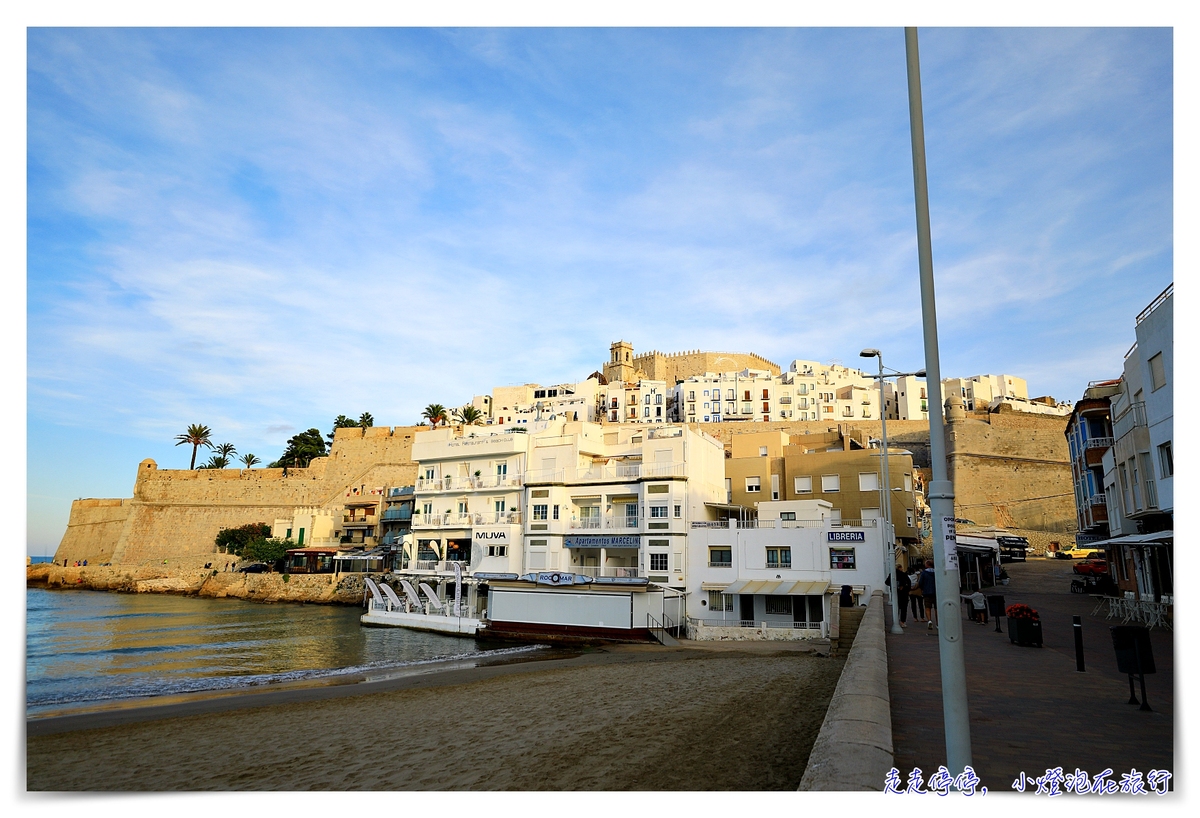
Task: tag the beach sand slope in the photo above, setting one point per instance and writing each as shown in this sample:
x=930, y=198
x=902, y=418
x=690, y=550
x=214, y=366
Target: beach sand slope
x=692, y=720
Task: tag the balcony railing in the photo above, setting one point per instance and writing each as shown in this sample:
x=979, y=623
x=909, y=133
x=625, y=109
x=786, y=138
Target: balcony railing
x=1151, y=494
x=722, y=564
x=1098, y=500
x=1099, y=443
x=467, y=519
x=605, y=474
x=348, y=520
x=425, y=484
x=1131, y=418
x=867, y=523
x=396, y=514
x=606, y=571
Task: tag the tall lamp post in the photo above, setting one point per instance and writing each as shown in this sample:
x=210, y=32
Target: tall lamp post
x=886, y=491
x=941, y=490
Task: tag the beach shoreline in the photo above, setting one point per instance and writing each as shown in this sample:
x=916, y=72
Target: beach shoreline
x=591, y=719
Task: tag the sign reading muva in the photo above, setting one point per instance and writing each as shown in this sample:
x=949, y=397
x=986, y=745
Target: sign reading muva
x=492, y=536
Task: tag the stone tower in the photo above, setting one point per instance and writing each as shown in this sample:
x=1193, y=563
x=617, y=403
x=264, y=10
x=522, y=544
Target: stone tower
x=620, y=363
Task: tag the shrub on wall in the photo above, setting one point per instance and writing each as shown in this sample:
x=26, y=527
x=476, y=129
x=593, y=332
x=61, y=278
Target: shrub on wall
x=235, y=540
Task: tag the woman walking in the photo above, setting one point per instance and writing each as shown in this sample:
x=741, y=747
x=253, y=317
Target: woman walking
x=903, y=586
x=915, y=597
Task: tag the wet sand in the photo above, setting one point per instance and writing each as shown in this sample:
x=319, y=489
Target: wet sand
x=618, y=718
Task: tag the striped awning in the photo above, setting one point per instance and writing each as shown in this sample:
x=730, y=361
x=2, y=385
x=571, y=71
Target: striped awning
x=777, y=588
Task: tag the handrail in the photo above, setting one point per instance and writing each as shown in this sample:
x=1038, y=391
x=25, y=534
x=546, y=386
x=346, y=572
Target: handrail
x=1163, y=296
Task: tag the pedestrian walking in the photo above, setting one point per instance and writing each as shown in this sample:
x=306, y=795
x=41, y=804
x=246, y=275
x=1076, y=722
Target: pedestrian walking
x=929, y=591
x=903, y=586
x=915, y=597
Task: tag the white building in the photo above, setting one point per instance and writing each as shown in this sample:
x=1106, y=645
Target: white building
x=523, y=404
x=807, y=391
x=619, y=502
x=907, y=399
x=645, y=401
x=978, y=391
x=780, y=574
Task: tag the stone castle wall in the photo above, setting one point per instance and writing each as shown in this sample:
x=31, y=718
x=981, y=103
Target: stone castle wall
x=175, y=514
x=675, y=366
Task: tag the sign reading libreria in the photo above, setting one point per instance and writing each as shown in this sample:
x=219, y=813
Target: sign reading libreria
x=602, y=542
x=847, y=536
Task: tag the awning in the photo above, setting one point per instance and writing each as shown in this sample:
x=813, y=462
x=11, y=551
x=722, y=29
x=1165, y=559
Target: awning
x=713, y=586
x=1136, y=539
x=982, y=550
x=777, y=588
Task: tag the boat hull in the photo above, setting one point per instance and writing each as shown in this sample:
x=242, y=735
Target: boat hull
x=459, y=625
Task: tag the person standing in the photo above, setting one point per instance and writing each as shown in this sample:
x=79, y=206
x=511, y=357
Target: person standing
x=916, y=598
x=903, y=586
x=929, y=591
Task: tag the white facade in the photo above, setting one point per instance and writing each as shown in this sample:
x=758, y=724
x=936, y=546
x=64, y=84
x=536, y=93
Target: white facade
x=907, y=399
x=527, y=403
x=807, y=391
x=643, y=402
x=978, y=391
x=619, y=502
x=783, y=571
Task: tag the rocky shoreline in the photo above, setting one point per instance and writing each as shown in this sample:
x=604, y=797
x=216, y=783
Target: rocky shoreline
x=344, y=589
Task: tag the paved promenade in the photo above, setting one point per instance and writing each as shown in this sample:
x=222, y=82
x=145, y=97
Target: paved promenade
x=1030, y=709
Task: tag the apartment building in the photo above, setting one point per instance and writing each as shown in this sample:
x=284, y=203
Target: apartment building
x=906, y=399
x=642, y=401
x=1089, y=436
x=619, y=502
x=835, y=467
x=526, y=403
x=777, y=576
x=977, y=392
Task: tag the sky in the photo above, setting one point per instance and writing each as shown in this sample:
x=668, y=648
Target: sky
x=259, y=230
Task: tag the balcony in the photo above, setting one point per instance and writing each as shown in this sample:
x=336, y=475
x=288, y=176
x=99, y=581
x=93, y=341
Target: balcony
x=785, y=400
x=619, y=473
x=349, y=521
x=502, y=481
x=1098, y=500
x=606, y=571
x=466, y=520
x=394, y=514
x=1129, y=420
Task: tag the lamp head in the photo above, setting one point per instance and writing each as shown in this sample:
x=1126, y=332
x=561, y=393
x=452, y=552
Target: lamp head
x=920, y=373
x=869, y=353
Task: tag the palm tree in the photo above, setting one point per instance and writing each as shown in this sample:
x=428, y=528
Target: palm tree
x=250, y=460
x=226, y=450
x=468, y=415
x=435, y=413
x=197, y=435
x=217, y=461
x=365, y=420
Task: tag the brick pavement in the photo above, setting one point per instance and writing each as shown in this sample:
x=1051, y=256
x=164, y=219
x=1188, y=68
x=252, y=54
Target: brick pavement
x=1030, y=709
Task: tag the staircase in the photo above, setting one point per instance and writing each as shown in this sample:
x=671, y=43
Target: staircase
x=848, y=622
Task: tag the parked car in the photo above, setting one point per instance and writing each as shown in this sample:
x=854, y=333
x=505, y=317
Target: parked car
x=255, y=568
x=1091, y=567
x=1077, y=553
x=1012, y=549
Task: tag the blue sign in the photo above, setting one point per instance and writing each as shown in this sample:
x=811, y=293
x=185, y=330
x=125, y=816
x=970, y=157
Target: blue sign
x=603, y=542
x=847, y=536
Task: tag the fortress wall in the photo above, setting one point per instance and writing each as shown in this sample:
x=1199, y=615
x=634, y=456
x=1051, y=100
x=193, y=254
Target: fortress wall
x=93, y=530
x=683, y=365
x=175, y=514
x=1012, y=475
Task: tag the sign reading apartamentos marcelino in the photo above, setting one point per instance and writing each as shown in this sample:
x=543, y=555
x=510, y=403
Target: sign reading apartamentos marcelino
x=602, y=542
x=847, y=536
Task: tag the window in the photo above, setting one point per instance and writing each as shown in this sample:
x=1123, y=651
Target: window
x=779, y=557
x=720, y=602
x=908, y=512
x=462, y=507
x=678, y=512
x=787, y=515
x=537, y=493
x=660, y=488
x=1165, y=463
x=426, y=509
x=746, y=394
x=497, y=551
x=692, y=394
x=729, y=394
x=657, y=512
x=429, y=474
x=1158, y=374
x=720, y=557
x=728, y=490
x=774, y=486
x=762, y=451
x=556, y=511
x=647, y=400
x=847, y=411
x=658, y=399
x=658, y=562
x=658, y=410
x=780, y=605
x=868, y=481
x=646, y=412
x=841, y=558
x=908, y=483
x=831, y=482
x=539, y=512
x=502, y=470
x=288, y=536
x=753, y=484
x=766, y=395
x=803, y=485
x=499, y=506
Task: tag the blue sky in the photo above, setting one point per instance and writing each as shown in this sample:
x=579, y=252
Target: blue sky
x=261, y=229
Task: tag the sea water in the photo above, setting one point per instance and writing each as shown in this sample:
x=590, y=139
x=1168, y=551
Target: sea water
x=87, y=647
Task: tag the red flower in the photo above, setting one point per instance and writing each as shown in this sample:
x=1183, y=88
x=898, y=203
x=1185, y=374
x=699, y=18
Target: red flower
x=1020, y=611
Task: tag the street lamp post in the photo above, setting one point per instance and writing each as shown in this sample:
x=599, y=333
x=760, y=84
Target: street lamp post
x=886, y=494
x=941, y=490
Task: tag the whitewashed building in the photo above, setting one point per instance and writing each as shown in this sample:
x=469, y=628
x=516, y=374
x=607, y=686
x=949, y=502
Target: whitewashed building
x=644, y=401
x=778, y=577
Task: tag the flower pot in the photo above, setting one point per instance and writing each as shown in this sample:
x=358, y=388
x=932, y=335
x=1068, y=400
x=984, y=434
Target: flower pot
x=1004, y=581
x=1025, y=632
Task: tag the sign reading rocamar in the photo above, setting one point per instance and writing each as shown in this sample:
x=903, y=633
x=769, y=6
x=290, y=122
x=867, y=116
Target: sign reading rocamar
x=847, y=536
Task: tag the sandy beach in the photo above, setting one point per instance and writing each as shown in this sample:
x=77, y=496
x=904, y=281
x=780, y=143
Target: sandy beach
x=730, y=717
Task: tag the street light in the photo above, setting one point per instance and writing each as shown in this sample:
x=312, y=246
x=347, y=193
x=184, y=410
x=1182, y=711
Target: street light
x=955, y=717
x=885, y=495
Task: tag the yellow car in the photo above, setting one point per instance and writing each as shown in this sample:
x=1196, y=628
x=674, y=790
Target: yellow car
x=1074, y=553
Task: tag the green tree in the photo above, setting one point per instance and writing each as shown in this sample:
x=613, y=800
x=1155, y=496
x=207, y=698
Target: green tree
x=217, y=461
x=301, y=449
x=435, y=413
x=366, y=420
x=234, y=540
x=250, y=460
x=226, y=450
x=197, y=435
x=340, y=422
x=271, y=550
x=469, y=415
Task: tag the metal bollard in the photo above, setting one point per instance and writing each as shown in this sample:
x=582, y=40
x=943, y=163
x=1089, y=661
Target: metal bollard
x=1078, y=626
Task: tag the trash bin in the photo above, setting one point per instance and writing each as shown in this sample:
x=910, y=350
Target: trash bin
x=1135, y=657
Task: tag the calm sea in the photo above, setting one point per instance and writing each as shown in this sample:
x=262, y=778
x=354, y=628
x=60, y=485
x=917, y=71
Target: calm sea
x=86, y=647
